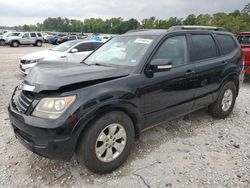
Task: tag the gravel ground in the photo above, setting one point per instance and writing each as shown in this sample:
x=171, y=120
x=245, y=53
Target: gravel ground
x=192, y=151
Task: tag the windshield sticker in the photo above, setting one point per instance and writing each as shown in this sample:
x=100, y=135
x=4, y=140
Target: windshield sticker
x=143, y=41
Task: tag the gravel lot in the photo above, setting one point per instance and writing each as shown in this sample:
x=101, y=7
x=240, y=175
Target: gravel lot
x=192, y=151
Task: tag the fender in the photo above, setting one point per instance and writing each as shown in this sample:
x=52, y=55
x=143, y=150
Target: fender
x=127, y=107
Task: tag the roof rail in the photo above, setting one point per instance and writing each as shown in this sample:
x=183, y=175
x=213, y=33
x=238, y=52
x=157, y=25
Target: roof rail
x=196, y=27
x=137, y=30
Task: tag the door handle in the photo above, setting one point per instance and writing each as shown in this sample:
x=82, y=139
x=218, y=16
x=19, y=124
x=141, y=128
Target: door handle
x=190, y=72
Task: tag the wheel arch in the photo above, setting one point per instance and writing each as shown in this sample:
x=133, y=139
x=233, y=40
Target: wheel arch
x=234, y=77
x=130, y=111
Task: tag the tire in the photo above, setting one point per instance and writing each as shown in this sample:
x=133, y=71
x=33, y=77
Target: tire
x=15, y=44
x=88, y=145
x=2, y=42
x=222, y=107
x=39, y=43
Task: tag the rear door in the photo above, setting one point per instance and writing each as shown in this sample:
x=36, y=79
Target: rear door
x=170, y=93
x=210, y=63
x=32, y=38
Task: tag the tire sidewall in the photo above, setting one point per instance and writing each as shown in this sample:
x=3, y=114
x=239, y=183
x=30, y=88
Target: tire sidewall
x=87, y=154
x=232, y=87
x=15, y=44
x=39, y=43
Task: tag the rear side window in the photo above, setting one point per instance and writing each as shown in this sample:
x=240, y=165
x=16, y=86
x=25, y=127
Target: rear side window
x=227, y=43
x=39, y=34
x=32, y=35
x=203, y=47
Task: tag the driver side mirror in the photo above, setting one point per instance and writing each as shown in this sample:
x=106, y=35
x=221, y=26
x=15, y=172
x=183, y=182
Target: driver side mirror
x=160, y=65
x=74, y=50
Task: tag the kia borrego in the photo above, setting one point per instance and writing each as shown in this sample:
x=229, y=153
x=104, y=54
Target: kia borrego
x=71, y=51
x=97, y=108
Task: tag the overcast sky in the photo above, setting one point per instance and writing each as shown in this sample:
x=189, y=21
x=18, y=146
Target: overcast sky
x=19, y=12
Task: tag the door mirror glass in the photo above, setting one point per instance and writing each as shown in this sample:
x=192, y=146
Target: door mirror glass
x=160, y=65
x=74, y=50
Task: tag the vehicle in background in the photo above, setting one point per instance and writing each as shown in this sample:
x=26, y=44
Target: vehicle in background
x=98, y=37
x=72, y=51
x=2, y=37
x=244, y=40
x=70, y=37
x=15, y=39
x=54, y=39
x=46, y=37
x=98, y=108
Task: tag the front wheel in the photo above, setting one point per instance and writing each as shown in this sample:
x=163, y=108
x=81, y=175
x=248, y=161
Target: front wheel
x=106, y=143
x=224, y=105
x=14, y=44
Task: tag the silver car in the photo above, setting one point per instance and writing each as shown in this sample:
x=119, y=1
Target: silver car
x=15, y=39
x=72, y=51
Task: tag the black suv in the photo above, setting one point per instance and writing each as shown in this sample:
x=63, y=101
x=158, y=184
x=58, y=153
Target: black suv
x=97, y=108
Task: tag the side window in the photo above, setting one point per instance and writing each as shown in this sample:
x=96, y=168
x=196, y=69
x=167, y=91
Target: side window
x=203, y=47
x=32, y=35
x=26, y=35
x=39, y=34
x=96, y=45
x=175, y=49
x=227, y=43
x=84, y=47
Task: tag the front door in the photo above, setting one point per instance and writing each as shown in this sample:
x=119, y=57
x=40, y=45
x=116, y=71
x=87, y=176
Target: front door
x=170, y=94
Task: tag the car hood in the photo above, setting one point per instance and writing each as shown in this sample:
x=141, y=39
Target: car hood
x=46, y=54
x=54, y=76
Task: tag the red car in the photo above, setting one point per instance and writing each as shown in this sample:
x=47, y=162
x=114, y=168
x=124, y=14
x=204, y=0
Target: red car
x=244, y=40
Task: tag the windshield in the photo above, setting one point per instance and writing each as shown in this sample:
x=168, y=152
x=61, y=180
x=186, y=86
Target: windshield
x=65, y=46
x=124, y=50
x=13, y=34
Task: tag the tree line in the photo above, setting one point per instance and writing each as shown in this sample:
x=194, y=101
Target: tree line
x=235, y=22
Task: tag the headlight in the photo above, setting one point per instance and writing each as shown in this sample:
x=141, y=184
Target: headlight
x=52, y=108
x=35, y=60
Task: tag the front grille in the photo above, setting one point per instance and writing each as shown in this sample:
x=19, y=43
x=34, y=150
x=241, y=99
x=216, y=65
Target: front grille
x=22, y=100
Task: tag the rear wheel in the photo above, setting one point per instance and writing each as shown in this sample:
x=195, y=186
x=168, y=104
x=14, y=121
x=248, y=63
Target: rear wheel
x=106, y=144
x=14, y=44
x=39, y=43
x=224, y=105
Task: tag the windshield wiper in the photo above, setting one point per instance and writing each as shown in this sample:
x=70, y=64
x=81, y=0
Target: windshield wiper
x=100, y=64
x=85, y=63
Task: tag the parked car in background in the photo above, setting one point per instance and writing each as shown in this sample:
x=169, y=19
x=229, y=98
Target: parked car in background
x=96, y=109
x=70, y=37
x=244, y=40
x=72, y=51
x=2, y=37
x=98, y=37
x=54, y=39
x=15, y=39
x=46, y=37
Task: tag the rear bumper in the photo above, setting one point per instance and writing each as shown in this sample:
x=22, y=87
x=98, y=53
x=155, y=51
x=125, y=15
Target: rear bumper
x=42, y=141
